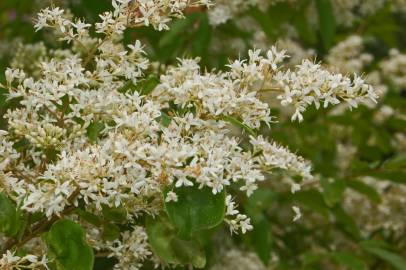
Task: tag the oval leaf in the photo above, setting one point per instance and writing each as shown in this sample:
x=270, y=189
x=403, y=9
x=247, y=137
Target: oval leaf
x=196, y=209
x=67, y=246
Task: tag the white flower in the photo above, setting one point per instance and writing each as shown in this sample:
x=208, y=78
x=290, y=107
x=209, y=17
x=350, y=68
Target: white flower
x=297, y=212
x=171, y=197
x=295, y=187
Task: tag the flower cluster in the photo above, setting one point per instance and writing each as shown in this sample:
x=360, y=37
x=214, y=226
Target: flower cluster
x=393, y=68
x=310, y=84
x=348, y=56
x=234, y=219
x=132, y=249
x=88, y=139
x=10, y=260
x=225, y=10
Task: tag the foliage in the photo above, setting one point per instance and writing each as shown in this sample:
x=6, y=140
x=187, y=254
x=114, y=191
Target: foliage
x=138, y=143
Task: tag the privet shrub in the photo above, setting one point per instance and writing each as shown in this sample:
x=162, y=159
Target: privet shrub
x=130, y=140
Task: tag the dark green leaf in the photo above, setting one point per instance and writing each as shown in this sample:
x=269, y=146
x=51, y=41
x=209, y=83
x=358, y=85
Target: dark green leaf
x=202, y=38
x=177, y=29
x=160, y=232
x=89, y=217
x=265, y=21
x=116, y=214
x=188, y=252
x=10, y=222
x=313, y=200
x=111, y=232
x=146, y=86
x=397, y=162
x=67, y=246
x=326, y=22
x=262, y=239
x=169, y=247
x=196, y=209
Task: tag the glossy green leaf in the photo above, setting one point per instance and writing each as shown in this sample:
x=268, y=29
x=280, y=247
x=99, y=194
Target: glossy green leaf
x=67, y=246
x=196, y=209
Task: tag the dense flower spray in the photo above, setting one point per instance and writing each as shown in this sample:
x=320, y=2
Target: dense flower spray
x=90, y=138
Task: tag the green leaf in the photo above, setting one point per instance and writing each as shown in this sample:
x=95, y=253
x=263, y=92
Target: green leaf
x=188, y=252
x=128, y=85
x=365, y=189
x=265, y=21
x=332, y=190
x=196, y=209
x=160, y=232
x=10, y=221
x=312, y=199
x=348, y=260
x=88, y=217
x=111, y=232
x=148, y=85
x=67, y=246
x=177, y=29
x=262, y=239
x=398, y=176
x=164, y=119
x=240, y=124
x=94, y=130
x=397, y=162
x=202, y=38
x=379, y=250
x=169, y=247
x=261, y=235
x=116, y=214
x=346, y=221
x=382, y=25
x=327, y=22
